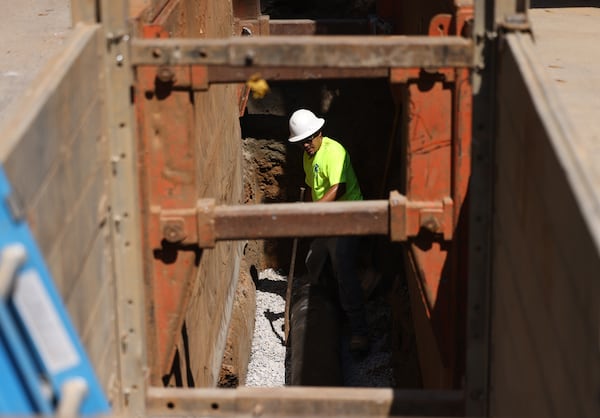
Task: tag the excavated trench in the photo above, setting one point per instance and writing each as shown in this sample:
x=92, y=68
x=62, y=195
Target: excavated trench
x=359, y=113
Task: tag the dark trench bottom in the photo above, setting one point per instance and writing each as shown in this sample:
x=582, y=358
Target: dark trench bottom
x=319, y=354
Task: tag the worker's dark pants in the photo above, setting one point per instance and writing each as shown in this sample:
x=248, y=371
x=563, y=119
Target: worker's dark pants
x=342, y=252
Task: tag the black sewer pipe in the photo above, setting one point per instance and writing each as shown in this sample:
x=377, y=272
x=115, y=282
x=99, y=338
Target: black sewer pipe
x=315, y=338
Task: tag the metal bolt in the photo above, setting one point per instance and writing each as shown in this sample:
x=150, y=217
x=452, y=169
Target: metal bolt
x=119, y=59
x=165, y=74
x=173, y=231
x=431, y=224
x=157, y=52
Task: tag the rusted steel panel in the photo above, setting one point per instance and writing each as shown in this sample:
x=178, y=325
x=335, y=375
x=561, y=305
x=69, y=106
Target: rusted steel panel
x=429, y=164
x=301, y=219
x=429, y=123
x=183, y=132
x=304, y=401
x=314, y=51
x=433, y=370
x=165, y=121
x=437, y=151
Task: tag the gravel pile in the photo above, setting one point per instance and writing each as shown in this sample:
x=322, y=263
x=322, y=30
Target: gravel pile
x=267, y=358
x=375, y=370
x=267, y=365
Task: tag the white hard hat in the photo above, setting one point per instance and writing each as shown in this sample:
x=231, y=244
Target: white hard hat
x=304, y=123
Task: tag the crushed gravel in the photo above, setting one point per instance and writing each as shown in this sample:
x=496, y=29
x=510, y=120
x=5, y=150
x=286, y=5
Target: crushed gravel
x=267, y=358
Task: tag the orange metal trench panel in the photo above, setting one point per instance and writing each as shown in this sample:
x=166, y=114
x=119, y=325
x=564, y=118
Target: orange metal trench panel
x=166, y=143
x=437, y=139
x=165, y=113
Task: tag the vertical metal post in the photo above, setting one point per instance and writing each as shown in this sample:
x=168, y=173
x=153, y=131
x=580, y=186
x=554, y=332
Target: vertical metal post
x=83, y=11
x=480, y=213
x=124, y=197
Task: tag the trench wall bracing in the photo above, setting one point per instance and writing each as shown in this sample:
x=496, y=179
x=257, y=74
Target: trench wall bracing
x=546, y=259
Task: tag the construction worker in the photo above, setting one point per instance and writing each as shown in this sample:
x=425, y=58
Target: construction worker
x=330, y=177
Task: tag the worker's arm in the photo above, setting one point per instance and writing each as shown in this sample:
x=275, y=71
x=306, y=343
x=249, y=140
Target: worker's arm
x=334, y=193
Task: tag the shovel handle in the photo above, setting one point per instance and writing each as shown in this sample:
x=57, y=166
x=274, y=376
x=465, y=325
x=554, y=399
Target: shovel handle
x=290, y=280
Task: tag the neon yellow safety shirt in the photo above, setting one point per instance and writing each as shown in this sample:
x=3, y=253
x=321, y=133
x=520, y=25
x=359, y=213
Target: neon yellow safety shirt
x=328, y=167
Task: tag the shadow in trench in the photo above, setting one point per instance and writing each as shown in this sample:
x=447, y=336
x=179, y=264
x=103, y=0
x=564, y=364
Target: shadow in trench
x=180, y=367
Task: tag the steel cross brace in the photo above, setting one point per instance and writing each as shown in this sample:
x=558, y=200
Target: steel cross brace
x=313, y=51
x=397, y=217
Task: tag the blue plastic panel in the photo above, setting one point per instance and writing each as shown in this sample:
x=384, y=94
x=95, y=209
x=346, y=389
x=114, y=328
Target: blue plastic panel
x=39, y=342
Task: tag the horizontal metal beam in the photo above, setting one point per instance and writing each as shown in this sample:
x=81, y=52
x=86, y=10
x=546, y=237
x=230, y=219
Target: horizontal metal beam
x=303, y=401
x=397, y=217
x=369, y=217
x=226, y=74
x=400, y=218
x=307, y=51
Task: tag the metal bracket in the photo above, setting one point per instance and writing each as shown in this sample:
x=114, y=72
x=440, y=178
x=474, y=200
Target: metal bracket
x=406, y=75
x=408, y=217
x=180, y=77
x=189, y=225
